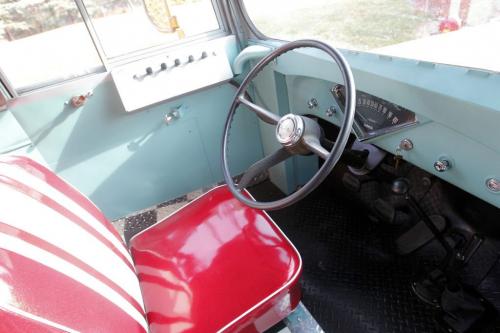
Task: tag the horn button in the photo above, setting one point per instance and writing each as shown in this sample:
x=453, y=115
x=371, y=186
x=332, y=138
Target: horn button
x=290, y=129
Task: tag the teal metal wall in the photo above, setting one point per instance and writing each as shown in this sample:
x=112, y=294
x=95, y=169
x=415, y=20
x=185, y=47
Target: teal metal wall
x=129, y=161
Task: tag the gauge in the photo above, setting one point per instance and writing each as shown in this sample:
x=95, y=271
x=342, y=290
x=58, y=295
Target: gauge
x=375, y=116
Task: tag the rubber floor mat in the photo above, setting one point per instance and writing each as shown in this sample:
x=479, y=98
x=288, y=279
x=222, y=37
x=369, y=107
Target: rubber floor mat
x=352, y=281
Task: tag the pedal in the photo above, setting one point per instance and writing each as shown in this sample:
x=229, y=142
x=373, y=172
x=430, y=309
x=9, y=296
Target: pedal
x=463, y=311
x=351, y=182
x=418, y=235
x=384, y=211
x=430, y=288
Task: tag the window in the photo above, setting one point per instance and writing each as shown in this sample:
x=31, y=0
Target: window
x=44, y=42
x=124, y=26
x=457, y=32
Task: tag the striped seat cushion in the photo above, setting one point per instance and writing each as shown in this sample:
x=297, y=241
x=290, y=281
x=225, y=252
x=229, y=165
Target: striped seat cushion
x=63, y=267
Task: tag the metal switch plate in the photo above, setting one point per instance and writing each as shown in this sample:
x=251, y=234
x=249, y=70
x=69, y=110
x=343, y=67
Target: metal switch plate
x=156, y=79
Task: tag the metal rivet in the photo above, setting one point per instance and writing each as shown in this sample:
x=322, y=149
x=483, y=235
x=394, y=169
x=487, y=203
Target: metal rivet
x=493, y=184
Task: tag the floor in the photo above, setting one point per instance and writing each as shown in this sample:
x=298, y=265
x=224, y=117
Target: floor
x=352, y=280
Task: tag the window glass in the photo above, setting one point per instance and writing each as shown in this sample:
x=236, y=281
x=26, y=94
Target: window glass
x=44, y=42
x=458, y=32
x=125, y=26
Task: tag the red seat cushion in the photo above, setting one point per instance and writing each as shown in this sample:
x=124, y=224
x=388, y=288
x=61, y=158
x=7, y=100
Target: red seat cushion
x=216, y=265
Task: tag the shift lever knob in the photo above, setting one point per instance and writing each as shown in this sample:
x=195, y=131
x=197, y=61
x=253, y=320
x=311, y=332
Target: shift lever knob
x=400, y=186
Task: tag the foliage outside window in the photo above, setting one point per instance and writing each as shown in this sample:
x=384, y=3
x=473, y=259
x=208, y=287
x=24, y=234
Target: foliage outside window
x=458, y=32
x=46, y=41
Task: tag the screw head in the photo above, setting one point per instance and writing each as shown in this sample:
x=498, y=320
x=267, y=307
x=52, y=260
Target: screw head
x=442, y=165
x=406, y=144
x=493, y=184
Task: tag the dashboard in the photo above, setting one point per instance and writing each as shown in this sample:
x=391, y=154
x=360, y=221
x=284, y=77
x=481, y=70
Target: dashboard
x=442, y=135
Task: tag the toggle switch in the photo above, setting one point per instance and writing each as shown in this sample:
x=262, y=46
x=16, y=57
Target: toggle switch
x=190, y=58
x=177, y=62
x=149, y=71
x=163, y=66
x=204, y=55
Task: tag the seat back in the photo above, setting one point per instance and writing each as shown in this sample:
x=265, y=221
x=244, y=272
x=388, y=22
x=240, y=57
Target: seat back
x=63, y=267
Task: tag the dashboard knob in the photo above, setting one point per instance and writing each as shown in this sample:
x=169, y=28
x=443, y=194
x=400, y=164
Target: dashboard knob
x=190, y=58
x=204, y=55
x=442, y=165
x=177, y=62
x=163, y=66
x=149, y=71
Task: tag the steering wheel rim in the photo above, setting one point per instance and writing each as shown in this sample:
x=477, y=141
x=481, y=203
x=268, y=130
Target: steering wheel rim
x=331, y=158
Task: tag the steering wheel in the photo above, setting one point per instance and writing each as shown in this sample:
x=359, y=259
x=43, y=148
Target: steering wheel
x=296, y=134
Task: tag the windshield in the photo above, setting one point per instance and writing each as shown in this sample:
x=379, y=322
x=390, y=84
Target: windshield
x=457, y=32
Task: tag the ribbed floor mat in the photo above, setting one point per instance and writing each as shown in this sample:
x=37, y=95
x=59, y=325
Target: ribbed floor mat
x=352, y=282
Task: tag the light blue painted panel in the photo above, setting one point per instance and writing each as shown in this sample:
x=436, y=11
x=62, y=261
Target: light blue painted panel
x=271, y=91
x=130, y=161
x=12, y=136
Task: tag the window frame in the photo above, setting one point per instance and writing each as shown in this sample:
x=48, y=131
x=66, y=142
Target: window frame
x=108, y=63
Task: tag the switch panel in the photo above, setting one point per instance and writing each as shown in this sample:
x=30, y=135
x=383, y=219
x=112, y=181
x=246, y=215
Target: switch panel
x=152, y=80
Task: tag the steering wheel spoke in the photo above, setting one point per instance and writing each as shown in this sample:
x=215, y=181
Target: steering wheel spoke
x=265, y=115
x=260, y=166
x=314, y=146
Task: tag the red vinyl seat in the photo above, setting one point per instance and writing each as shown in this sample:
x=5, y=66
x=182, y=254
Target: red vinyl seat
x=215, y=265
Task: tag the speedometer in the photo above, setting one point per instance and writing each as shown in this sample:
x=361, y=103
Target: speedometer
x=375, y=116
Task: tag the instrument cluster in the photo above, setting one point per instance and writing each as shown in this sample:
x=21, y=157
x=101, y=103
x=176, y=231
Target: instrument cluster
x=375, y=116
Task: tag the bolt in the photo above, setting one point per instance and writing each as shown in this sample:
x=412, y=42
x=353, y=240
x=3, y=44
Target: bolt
x=312, y=103
x=330, y=111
